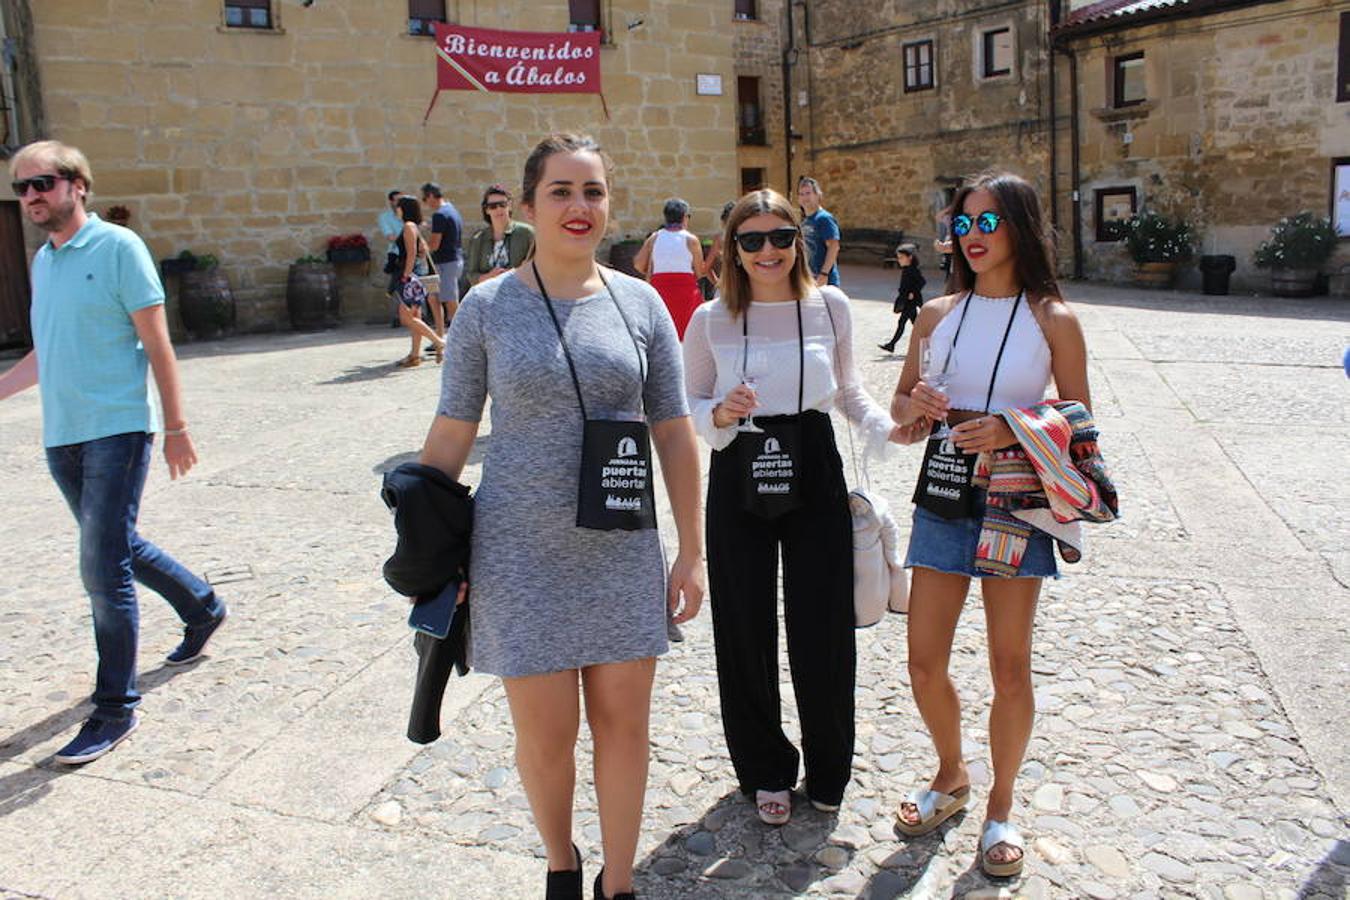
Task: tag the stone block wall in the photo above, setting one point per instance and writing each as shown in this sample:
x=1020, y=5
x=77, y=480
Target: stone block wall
x=1239, y=129
x=886, y=157
x=258, y=146
x=759, y=47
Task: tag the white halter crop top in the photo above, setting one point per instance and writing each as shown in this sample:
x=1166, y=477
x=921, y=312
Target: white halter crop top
x=1023, y=372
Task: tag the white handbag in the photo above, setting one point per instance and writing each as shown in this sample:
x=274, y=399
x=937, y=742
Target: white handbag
x=880, y=582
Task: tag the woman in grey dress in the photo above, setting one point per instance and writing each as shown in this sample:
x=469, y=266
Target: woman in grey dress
x=558, y=601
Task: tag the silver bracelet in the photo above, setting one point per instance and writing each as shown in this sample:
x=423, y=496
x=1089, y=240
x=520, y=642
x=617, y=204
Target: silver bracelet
x=175, y=432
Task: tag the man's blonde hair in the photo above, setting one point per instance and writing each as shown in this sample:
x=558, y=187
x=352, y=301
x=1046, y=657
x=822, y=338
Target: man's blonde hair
x=65, y=159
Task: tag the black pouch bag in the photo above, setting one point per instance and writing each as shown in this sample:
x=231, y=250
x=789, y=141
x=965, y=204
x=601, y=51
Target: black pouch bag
x=614, y=491
x=614, y=485
x=770, y=467
x=944, y=486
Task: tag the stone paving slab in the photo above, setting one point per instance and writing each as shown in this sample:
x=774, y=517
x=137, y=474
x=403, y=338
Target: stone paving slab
x=1191, y=674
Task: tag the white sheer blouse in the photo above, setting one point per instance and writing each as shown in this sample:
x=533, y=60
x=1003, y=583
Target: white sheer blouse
x=717, y=357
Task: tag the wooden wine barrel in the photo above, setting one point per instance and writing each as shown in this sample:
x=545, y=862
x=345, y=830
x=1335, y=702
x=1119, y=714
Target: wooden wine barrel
x=206, y=304
x=1293, y=282
x=312, y=298
x=1155, y=274
x=622, y=254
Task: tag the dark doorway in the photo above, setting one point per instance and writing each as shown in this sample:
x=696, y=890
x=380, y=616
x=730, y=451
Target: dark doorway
x=14, y=291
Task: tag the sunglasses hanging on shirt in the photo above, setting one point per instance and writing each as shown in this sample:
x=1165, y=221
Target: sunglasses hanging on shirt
x=753, y=241
x=987, y=222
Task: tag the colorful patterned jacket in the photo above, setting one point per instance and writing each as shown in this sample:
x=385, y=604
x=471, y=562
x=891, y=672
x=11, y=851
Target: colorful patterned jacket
x=1051, y=480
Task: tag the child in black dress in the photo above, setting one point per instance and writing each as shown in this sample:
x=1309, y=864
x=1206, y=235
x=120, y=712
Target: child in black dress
x=909, y=296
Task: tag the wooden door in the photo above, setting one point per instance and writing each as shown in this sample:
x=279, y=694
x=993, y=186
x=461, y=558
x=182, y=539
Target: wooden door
x=14, y=289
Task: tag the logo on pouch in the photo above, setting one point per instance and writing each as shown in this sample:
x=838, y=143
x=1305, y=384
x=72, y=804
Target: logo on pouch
x=947, y=448
x=626, y=504
x=628, y=447
x=771, y=445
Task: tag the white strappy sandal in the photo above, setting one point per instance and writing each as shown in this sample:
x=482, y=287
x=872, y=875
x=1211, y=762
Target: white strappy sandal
x=996, y=833
x=934, y=808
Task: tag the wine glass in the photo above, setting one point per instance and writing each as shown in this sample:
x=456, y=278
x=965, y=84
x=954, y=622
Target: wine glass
x=937, y=368
x=754, y=363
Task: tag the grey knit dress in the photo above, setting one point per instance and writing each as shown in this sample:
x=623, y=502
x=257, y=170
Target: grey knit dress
x=547, y=595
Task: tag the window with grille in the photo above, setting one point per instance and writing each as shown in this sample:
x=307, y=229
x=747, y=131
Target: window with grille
x=918, y=66
x=1127, y=78
x=745, y=9
x=248, y=13
x=996, y=57
x=424, y=14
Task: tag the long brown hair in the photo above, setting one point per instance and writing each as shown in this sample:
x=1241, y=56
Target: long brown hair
x=735, y=282
x=1020, y=208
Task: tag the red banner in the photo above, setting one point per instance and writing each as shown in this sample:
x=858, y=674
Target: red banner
x=519, y=62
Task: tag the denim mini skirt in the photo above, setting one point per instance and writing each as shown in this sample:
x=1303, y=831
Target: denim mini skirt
x=948, y=545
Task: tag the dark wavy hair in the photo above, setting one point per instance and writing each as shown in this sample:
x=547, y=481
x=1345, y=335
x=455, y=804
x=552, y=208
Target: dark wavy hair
x=1020, y=208
x=411, y=209
x=488, y=192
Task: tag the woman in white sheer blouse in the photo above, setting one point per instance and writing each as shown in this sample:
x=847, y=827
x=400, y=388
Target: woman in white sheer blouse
x=764, y=365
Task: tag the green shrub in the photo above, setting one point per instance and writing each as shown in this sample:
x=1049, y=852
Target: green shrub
x=1153, y=237
x=1300, y=241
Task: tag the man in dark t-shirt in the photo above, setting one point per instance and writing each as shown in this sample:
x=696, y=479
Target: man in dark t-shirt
x=445, y=240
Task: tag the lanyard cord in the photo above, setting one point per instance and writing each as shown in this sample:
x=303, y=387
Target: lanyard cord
x=571, y=366
x=801, y=350
x=989, y=397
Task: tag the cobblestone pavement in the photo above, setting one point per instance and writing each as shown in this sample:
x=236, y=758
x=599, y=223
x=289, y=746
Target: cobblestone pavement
x=1190, y=674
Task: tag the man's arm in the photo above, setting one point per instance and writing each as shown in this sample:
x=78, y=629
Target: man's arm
x=435, y=237
x=22, y=376
x=152, y=327
x=831, y=254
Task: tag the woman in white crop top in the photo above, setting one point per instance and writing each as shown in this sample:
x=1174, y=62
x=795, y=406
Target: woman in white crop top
x=779, y=489
x=1009, y=334
x=672, y=260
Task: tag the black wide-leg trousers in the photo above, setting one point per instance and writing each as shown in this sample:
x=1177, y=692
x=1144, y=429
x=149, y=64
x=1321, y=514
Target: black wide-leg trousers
x=817, y=547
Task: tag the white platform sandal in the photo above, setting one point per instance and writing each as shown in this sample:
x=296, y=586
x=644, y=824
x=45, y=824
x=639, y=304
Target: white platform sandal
x=994, y=834
x=934, y=808
x=774, y=807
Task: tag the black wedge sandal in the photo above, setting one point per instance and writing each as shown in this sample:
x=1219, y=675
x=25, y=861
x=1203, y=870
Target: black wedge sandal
x=600, y=890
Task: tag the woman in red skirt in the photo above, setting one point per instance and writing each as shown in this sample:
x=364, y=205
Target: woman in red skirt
x=672, y=260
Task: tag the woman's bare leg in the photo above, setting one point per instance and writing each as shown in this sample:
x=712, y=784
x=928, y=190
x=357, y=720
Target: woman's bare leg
x=546, y=713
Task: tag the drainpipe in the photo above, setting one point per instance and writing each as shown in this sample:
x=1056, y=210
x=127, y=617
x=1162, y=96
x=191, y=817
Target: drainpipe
x=1054, y=135
x=1077, y=217
x=789, y=59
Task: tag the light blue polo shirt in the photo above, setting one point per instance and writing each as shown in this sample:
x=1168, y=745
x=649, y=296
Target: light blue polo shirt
x=91, y=366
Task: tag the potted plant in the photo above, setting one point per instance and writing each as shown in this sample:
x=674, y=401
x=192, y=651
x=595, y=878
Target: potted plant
x=119, y=215
x=348, y=248
x=205, y=300
x=312, y=298
x=1157, y=244
x=1298, y=246
x=177, y=265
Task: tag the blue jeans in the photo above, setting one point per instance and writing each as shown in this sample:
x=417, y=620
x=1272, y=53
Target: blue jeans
x=102, y=482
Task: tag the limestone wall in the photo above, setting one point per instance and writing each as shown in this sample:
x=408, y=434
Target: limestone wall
x=258, y=146
x=1239, y=129
x=758, y=47
x=885, y=156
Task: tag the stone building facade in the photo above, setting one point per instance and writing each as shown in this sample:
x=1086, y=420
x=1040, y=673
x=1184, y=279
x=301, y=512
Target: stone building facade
x=908, y=98
x=762, y=139
x=257, y=144
x=1227, y=115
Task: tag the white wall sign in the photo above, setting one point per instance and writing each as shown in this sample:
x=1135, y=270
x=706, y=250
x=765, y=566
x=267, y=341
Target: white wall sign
x=710, y=85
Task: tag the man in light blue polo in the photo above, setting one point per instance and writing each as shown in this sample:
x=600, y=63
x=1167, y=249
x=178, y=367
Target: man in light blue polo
x=98, y=327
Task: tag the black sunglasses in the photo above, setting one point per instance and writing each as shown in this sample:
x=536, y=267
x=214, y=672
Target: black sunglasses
x=41, y=183
x=987, y=222
x=753, y=241
x=497, y=204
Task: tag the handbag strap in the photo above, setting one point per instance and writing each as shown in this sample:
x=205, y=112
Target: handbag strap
x=860, y=474
x=426, y=251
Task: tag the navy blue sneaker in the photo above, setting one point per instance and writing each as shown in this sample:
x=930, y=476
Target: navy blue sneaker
x=194, y=641
x=96, y=737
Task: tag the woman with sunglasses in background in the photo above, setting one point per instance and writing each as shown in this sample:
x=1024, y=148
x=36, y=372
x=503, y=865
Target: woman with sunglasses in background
x=503, y=245
x=764, y=366
x=996, y=344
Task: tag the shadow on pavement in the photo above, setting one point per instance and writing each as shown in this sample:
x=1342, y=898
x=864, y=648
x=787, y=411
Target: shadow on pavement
x=1100, y=294
x=363, y=373
x=475, y=456
x=277, y=341
x=902, y=871
x=24, y=788
x=1328, y=880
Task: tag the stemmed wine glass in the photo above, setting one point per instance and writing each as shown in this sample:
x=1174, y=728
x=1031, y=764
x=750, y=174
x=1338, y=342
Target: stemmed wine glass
x=754, y=361
x=936, y=369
